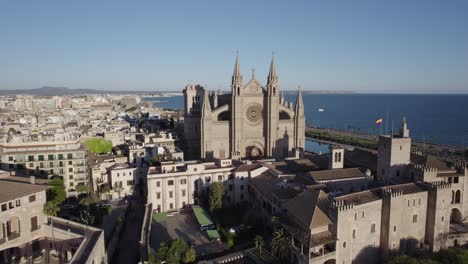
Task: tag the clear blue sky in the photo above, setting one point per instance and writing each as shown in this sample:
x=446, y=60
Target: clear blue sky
x=366, y=46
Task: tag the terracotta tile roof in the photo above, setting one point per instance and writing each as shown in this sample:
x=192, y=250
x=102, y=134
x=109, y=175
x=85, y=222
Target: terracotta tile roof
x=336, y=174
x=322, y=238
x=248, y=167
x=429, y=162
x=361, y=158
x=305, y=210
x=407, y=188
x=450, y=174
x=360, y=197
x=10, y=190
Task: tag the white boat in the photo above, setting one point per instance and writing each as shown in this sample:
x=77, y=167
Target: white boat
x=321, y=110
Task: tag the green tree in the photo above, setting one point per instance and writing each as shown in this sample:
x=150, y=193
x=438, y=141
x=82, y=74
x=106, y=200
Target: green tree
x=451, y=256
x=280, y=243
x=81, y=188
x=259, y=243
x=56, y=193
x=215, y=200
x=51, y=209
x=404, y=259
x=162, y=252
x=175, y=250
x=171, y=252
x=189, y=255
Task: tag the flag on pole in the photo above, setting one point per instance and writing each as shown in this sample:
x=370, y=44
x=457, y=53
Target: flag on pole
x=379, y=121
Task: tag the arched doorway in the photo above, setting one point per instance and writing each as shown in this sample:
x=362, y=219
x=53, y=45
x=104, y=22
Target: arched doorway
x=330, y=261
x=254, y=152
x=456, y=216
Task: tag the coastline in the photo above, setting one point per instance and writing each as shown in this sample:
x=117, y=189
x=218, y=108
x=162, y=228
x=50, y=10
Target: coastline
x=369, y=142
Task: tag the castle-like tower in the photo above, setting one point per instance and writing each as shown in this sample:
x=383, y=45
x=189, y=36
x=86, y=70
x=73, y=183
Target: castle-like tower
x=394, y=155
x=250, y=122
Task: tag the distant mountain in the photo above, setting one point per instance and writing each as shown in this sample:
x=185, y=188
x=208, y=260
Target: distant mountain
x=51, y=91
x=321, y=92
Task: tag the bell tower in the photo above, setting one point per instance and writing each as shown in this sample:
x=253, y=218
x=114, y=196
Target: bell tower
x=272, y=111
x=236, y=110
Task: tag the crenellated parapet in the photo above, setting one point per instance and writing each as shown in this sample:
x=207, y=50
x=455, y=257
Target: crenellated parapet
x=436, y=185
x=425, y=169
x=342, y=205
x=462, y=167
x=389, y=192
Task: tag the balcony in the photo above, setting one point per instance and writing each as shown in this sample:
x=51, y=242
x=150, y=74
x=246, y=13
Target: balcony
x=13, y=235
x=325, y=253
x=2, y=240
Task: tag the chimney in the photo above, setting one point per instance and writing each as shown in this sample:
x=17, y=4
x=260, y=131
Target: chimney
x=32, y=179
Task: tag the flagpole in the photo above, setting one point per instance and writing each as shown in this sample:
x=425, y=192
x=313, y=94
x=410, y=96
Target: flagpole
x=386, y=123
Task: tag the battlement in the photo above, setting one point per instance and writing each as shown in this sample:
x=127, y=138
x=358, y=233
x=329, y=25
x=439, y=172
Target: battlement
x=388, y=192
x=461, y=165
x=437, y=185
x=416, y=152
x=425, y=168
x=342, y=205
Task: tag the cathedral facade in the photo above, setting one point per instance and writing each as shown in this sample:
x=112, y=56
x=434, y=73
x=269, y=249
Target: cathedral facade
x=253, y=121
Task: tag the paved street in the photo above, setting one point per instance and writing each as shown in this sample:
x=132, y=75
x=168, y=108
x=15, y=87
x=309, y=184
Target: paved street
x=128, y=249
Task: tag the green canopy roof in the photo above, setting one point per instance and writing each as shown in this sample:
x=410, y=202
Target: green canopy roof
x=202, y=216
x=213, y=234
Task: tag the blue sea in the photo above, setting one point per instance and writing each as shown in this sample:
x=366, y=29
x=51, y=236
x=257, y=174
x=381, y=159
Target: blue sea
x=433, y=118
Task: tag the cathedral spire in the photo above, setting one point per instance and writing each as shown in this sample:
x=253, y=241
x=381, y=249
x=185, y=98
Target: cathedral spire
x=299, y=122
x=299, y=103
x=272, y=77
x=236, y=84
x=237, y=71
x=272, y=81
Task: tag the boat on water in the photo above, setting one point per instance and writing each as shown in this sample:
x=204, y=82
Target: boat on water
x=321, y=110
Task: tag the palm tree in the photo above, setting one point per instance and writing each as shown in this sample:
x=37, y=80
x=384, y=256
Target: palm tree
x=51, y=209
x=259, y=243
x=280, y=243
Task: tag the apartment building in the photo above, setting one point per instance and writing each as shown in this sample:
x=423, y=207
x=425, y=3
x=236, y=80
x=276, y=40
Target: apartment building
x=45, y=154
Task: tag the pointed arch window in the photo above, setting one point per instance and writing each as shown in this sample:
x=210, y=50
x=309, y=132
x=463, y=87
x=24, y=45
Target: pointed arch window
x=457, y=196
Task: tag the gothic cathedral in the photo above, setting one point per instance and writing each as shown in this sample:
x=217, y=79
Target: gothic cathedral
x=250, y=122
